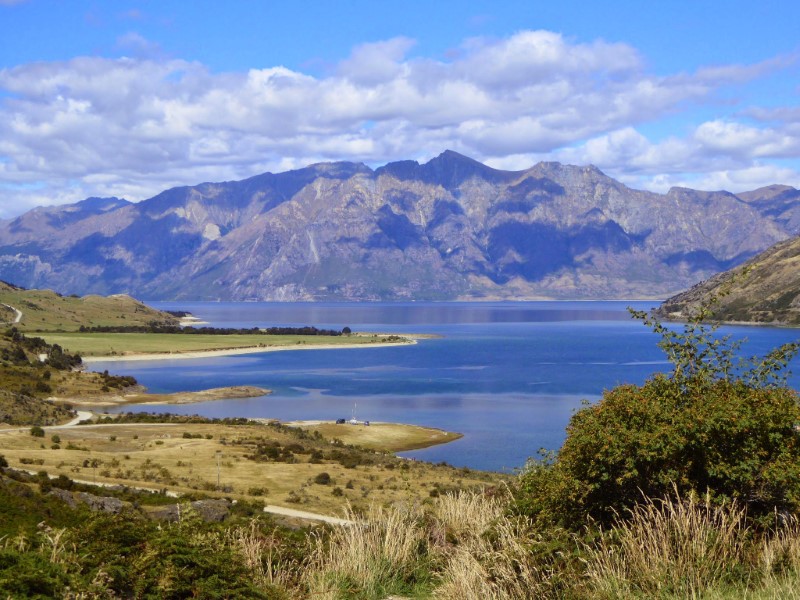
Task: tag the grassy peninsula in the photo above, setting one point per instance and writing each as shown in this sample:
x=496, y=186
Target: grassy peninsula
x=126, y=346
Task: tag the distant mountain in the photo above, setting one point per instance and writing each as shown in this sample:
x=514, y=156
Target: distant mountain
x=766, y=289
x=451, y=228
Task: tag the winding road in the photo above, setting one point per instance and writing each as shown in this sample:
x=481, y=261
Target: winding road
x=18, y=316
x=83, y=415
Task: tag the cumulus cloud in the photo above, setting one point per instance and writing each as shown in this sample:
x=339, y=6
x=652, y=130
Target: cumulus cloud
x=147, y=122
x=715, y=155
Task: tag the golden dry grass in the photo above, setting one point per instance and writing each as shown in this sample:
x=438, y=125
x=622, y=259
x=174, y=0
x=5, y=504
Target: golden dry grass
x=396, y=437
x=467, y=545
x=134, y=395
x=688, y=545
x=371, y=559
x=461, y=546
x=158, y=456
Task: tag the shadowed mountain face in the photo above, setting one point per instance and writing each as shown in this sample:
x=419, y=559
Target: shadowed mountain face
x=451, y=228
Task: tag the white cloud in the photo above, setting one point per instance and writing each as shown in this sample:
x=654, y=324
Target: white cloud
x=716, y=155
x=150, y=123
x=374, y=63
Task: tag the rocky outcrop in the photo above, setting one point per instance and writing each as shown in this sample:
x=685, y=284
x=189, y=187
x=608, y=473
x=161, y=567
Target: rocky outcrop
x=211, y=511
x=451, y=228
x=105, y=504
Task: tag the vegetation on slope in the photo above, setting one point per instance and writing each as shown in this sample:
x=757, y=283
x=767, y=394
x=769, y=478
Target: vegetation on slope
x=33, y=371
x=45, y=310
x=240, y=459
x=766, y=289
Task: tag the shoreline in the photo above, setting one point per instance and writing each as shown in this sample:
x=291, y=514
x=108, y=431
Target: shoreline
x=144, y=398
x=235, y=351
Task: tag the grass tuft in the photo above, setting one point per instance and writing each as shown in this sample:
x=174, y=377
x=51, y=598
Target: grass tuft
x=672, y=546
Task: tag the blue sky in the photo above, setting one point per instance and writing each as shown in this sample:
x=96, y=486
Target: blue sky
x=127, y=98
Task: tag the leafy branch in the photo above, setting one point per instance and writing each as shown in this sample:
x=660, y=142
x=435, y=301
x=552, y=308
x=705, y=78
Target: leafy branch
x=699, y=356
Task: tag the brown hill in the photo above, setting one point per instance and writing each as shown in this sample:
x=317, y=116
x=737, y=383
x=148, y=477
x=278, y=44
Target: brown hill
x=766, y=289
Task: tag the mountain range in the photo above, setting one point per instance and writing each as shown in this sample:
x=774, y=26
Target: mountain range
x=449, y=229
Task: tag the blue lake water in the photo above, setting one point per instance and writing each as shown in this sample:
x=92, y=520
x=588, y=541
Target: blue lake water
x=506, y=375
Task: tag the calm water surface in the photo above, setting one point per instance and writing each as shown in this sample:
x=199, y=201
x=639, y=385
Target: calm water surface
x=506, y=375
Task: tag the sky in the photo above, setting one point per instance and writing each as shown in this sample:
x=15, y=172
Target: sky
x=127, y=98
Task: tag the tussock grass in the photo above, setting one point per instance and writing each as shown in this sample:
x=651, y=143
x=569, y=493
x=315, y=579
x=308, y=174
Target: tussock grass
x=264, y=555
x=463, y=546
x=383, y=553
x=670, y=546
x=489, y=553
x=468, y=545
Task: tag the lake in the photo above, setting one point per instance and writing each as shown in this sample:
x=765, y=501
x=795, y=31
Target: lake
x=507, y=375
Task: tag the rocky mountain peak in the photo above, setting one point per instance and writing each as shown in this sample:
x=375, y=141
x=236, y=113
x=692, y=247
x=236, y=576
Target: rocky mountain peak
x=768, y=193
x=450, y=169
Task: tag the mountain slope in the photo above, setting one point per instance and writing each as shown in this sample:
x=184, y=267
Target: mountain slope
x=766, y=289
x=45, y=310
x=451, y=228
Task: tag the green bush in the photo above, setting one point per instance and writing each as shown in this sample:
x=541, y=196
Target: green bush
x=30, y=575
x=715, y=424
x=37, y=431
x=323, y=478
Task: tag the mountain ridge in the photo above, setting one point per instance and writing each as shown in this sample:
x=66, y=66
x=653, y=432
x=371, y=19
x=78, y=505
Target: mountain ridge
x=765, y=289
x=448, y=229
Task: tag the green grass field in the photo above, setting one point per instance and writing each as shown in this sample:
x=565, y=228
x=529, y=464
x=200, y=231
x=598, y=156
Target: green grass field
x=110, y=344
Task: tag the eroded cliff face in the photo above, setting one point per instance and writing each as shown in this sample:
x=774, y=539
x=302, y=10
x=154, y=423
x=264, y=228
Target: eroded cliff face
x=451, y=228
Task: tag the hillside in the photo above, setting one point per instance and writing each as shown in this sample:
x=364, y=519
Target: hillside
x=766, y=289
x=45, y=310
x=32, y=370
x=451, y=228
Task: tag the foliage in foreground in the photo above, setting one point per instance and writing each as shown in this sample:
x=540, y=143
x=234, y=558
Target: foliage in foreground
x=456, y=546
x=716, y=425
x=49, y=550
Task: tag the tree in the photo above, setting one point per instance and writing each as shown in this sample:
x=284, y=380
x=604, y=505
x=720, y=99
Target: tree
x=717, y=423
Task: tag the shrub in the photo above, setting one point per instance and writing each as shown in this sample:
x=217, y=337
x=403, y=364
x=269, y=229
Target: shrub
x=322, y=478
x=37, y=431
x=715, y=424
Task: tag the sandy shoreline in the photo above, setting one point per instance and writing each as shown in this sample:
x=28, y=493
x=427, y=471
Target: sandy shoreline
x=236, y=351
